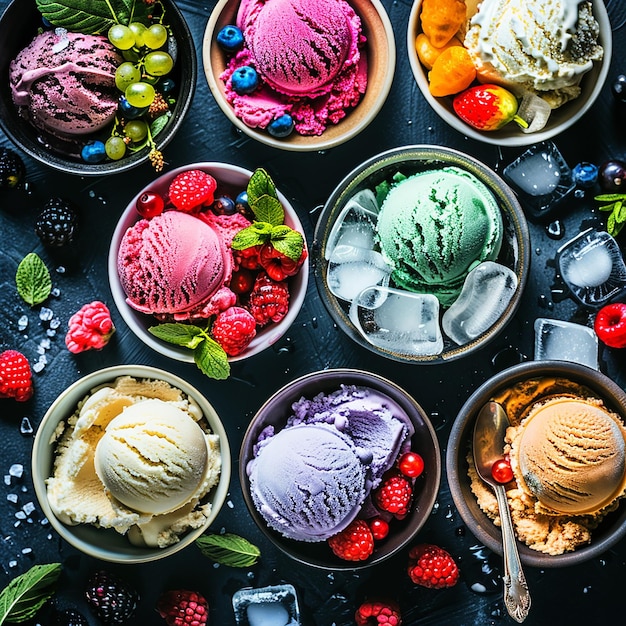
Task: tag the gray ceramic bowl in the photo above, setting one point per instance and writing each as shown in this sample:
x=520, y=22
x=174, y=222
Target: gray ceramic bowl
x=107, y=544
x=511, y=135
x=613, y=527
x=381, y=51
x=18, y=26
x=232, y=177
x=515, y=251
x=275, y=412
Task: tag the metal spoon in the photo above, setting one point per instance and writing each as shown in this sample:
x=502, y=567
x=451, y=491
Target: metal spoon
x=489, y=432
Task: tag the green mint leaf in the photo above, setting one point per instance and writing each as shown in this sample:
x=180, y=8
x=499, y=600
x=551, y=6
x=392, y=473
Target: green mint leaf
x=260, y=184
x=610, y=197
x=256, y=234
x=620, y=212
x=228, y=549
x=611, y=225
x=288, y=241
x=268, y=209
x=606, y=207
x=32, y=279
x=186, y=335
x=26, y=594
x=211, y=359
x=159, y=123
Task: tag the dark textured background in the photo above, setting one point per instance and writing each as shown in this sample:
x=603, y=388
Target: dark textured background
x=592, y=592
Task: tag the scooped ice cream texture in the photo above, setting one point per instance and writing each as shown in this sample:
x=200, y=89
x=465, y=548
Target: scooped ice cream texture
x=568, y=455
x=310, y=57
x=138, y=457
x=313, y=477
x=64, y=82
x=542, y=46
x=434, y=227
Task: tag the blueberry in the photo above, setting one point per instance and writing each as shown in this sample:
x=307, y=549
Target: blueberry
x=93, y=152
x=242, y=199
x=167, y=85
x=245, y=80
x=585, y=174
x=129, y=111
x=281, y=126
x=230, y=38
x=224, y=206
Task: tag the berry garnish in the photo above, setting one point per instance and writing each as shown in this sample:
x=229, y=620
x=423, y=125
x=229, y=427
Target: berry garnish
x=110, y=598
x=16, y=379
x=249, y=257
x=224, y=206
x=93, y=152
x=269, y=300
x=379, y=528
x=191, y=190
x=432, y=566
x=244, y=80
x=230, y=38
x=90, y=328
x=242, y=281
x=277, y=264
x=183, y=608
x=612, y=176
x=394, y=494
x=501, y=471
x=12, y=170
x=150, y=204
x=234, y=329
x=281, y=127
x=487, y=107
x=610, y=325
x=57, y=223
x=378, y=612
x=354, y=543
x=411, y=464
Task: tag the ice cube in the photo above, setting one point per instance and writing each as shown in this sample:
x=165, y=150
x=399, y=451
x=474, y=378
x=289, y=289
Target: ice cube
x=355, y=224
x=557, y=340
x=401, y=322
x=276, y=605
x=487, y=292
x=535, y=111
x=592, y=267
x=267, y=614
x=350, y=270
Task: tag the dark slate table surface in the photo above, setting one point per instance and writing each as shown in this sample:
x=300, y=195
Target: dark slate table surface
x=592, y=592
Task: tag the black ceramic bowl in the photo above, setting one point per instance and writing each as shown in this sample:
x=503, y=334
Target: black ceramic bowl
x=275, y=412
x=19, y=24
x=611, y=530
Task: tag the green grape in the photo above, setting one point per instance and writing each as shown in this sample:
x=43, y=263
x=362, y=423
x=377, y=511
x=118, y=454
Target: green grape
x=126, y=74
x=115, y=147
x=121, y=37
x=140, y=94
x=155, y=36
x=136, y=130
x=158, y=63
x=139, y=30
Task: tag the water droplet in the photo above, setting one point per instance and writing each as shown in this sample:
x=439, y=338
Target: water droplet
x=506, y=358
x=555, y=230
x=314, y=322
x=26, y=428
x=56, y=292
x=60, y=269
x=22, y=323
x=27, y=550
x=12, y=563
x=579, y=193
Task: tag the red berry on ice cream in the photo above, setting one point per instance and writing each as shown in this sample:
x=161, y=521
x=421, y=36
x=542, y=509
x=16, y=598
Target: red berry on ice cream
x=610, y=325
x=487, y=107
x=192, y=189
x=182, y=607
x=242, y=281
x=378, y=612
x=394, y=494
x=234, y=329
x=354, y=543
x=432, y=566
x=90, y=328
x=15, y=376
x=150, y=204
x=269, y=300
x=411, y=464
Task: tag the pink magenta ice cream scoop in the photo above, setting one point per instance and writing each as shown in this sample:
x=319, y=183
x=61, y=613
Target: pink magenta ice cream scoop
x=172, y=264
x=65, y=82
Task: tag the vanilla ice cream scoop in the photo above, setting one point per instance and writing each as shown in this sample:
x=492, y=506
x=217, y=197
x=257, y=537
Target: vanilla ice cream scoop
x=152, y=457
x=571, y=455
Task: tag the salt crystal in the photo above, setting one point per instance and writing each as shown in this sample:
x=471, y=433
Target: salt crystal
x=12, y=497
x=51, y=332
x=45, y=344
x=55, y=323
x=7, y=479
x=44, y=521
x=28, y=508
x=20, y=515
x=16, y=470
x=46, y=314
x=56, y=292
x=26, y=428
x=60, y=269
x=27, y=550
x=38, y=367
x=13, y=563
x=22, y=323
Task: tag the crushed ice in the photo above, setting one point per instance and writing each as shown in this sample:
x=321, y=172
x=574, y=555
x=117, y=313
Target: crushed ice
x=63, y=41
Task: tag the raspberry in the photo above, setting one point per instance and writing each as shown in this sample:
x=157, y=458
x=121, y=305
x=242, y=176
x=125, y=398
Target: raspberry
x=249, y=257
x=90, y=328
x=16, y=379
x=57, y=223
x=374, y=612
x=111, y=599
x=432, y=566
x=394, y=494
x=183, y=608
x=192, y=189
x=269, y=300
x=354, y=543
x=12, y=169
x=278, y=265
x=234, y=329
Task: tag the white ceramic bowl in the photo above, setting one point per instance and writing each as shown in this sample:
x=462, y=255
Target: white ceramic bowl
x=107, y=544
x=511, y=135
x=381, y=51
x=231, y=176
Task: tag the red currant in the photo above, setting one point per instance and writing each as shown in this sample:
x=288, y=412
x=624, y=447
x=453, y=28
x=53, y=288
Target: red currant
x=501, y=471
x=242, y=281
x=379, y=528
x=411, y=464
x=150, y=204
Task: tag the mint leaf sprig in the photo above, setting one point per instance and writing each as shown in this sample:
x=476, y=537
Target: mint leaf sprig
x=617, y=207
x=208, y=355
x=33, y=280
x=228, y=549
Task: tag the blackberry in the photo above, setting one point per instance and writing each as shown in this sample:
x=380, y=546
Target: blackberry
x=57, y=223
x=110, y=598
x=70, y=617
x=12, y=170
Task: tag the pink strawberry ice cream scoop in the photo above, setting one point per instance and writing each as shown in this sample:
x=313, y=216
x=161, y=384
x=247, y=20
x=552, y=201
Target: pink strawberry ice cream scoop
x=64, y=83
x=310, y=59
x=175, y=264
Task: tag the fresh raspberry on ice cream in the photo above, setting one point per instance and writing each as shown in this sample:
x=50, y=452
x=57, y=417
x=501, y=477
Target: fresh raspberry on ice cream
x=234, y=329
